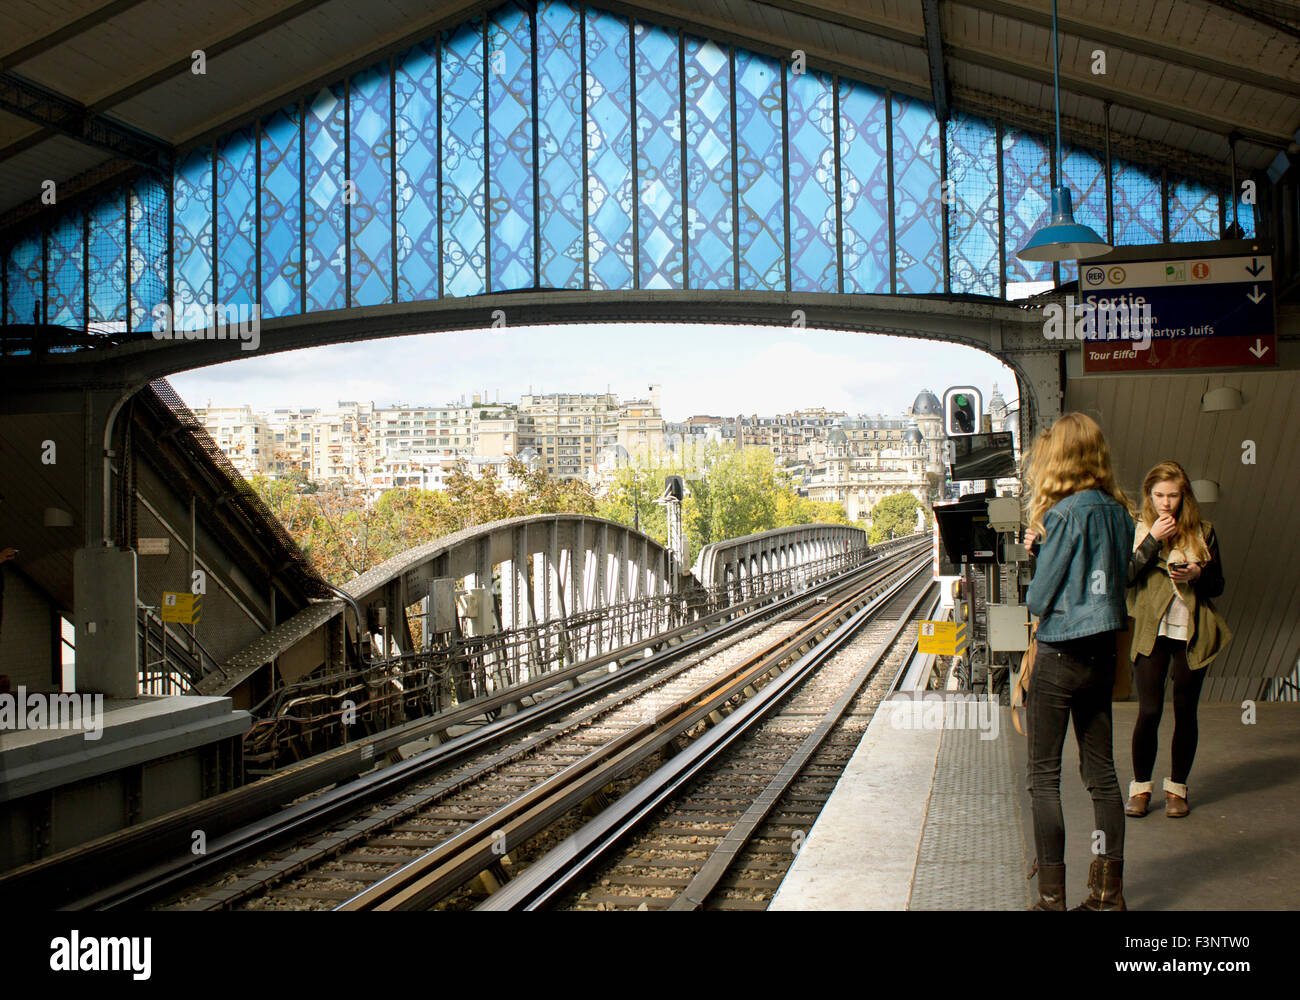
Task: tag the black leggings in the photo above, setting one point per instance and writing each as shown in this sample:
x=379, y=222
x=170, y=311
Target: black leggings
x=1149, y=675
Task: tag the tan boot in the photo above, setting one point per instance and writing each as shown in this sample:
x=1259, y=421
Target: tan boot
x=1106, y=885
x=1051, y=887
x=1176, y=806
x=1139, y=798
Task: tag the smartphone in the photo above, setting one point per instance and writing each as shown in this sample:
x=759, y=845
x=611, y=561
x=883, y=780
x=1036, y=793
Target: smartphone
x=1178, y=565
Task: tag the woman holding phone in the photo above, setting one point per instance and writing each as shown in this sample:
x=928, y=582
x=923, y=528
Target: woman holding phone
x=1173, y=575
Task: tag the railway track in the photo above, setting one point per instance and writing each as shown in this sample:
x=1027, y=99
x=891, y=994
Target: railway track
x=724, y=836
x=324, y=851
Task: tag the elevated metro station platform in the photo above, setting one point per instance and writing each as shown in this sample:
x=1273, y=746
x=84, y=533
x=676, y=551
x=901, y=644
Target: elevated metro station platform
x=129, y=761
x=939, y=819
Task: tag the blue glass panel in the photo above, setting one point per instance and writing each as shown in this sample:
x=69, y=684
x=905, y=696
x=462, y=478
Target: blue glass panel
x=864, y=186
x=973, y=220
x=191, y=236
x=1085, y=173
x=510, y=148
x=281, y=213
x=709, y=183
x=26, y=286
x=760, y=171
x=1136, y=191
x=464, y=220
x=107, y=263
x=65, y=295
x=148, y=251
x=417, y=174
x=236, y=218
x=918, y=205
x=609, y=151
x=658, y=157
x=811, y=108
x=1026, y=202
x=1245, y=213
x=1193, y=211
x=323, y=140
x=559, y=134
x=370, y=165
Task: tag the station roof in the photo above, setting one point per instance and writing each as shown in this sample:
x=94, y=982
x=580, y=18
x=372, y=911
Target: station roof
x=92, y=88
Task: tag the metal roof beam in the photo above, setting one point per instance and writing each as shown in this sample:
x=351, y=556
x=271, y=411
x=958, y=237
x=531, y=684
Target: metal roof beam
x=1142, y=46
x=934, y=51
x=60, y=35
x=1256, y=15
x=62, y=114
x=1125, y=98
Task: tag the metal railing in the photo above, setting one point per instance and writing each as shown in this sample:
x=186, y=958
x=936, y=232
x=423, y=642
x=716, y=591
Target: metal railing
x=171, y=663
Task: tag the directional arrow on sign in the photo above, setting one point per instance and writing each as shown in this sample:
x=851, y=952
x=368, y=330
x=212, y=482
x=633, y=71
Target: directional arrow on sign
x=1255, y=267
x=1256, y=296
x=1257, y=350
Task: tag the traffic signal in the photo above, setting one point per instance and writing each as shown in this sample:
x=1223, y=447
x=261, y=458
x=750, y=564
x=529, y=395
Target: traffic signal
x=961, y=410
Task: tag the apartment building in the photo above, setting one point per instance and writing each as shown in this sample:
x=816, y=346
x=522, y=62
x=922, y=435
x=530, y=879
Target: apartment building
x=239, y=432
x=568, y=431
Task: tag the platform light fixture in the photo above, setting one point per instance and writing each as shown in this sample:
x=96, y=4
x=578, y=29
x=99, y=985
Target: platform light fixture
x=1205, y=490
x=1225, y=397
x=1062, y=238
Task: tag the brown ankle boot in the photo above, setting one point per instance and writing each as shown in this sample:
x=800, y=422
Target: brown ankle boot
x=1176, y=800
x=1106, y=885
x=1051, y=887
x=1137, y=804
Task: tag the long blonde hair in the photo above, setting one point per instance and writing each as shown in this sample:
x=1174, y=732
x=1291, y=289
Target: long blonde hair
x=1187, y=534
x=1069, y=457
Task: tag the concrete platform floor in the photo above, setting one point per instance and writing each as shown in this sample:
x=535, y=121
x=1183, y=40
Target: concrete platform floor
x=1236, y=850
x=940, y=819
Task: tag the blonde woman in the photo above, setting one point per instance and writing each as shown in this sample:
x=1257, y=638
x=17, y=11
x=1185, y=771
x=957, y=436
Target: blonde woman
x=1082, y=519
x=1173, y=574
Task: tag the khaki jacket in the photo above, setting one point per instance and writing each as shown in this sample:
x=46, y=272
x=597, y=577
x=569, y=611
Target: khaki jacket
x=1151, y=591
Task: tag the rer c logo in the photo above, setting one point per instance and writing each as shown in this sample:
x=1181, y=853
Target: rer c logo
x=1117, y=275
x=1095, y=276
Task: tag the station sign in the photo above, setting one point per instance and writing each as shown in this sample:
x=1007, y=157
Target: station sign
x=1200, y=312
x=941, y=638
x=185, y=609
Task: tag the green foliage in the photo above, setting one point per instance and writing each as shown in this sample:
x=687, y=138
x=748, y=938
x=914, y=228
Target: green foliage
x=894, y=516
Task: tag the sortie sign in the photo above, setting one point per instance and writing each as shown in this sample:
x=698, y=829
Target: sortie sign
x=1208, y=312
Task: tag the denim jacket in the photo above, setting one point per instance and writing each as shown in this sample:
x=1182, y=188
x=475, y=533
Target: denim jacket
x=1081, y=574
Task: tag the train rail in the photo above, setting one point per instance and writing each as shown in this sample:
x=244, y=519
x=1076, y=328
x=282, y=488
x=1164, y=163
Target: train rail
x=373, y=822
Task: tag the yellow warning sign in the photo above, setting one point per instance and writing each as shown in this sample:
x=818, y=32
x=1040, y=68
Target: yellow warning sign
x=942, y=638
x=183, y=608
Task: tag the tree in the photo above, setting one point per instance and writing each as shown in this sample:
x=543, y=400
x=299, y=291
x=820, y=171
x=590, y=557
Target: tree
x=894, y=516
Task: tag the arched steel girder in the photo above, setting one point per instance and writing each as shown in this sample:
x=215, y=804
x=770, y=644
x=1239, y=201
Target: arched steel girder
x=1011, y=334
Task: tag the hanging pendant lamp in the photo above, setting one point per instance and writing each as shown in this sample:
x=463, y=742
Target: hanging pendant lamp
x=1062, y=238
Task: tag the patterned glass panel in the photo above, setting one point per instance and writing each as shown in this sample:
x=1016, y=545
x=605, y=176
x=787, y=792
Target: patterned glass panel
x=918, y=205
x=65, y=295
x=370, y=167
x=811, y=107
x=973, y=220
x=1085, y=172
x=609, y=152
x=464, y=219
x=864, y=183
x=1245, y=213
x=325, y=263
x=148, y=251
x=281, y=213
x=1193, y=211
x=760, y=170
x=23, y=280
x=658, y=158
x=559, y=133
x=510, y=148
x=1136, y=191
x=191, y=237
x=417, y=174
x=107, y=263
x=1026, y=203
x=236, y=219
x=709, y=183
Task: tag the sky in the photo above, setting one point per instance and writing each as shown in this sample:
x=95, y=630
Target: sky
x=719, y=370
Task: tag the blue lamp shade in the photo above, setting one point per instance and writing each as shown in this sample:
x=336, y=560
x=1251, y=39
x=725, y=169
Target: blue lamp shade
x=1063, y=238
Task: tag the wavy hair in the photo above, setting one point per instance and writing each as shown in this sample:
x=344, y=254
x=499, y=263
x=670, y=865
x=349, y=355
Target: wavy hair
x=1069, y=457
x=1187, y=535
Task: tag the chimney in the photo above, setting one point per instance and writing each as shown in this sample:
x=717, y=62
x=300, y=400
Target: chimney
x=656, y=393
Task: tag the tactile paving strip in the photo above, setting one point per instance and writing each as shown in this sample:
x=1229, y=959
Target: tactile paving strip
x=971, y=855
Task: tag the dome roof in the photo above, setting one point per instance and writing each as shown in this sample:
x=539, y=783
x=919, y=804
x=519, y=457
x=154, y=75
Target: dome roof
x=927, y=404
x=913, y=435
